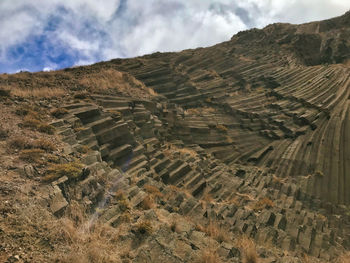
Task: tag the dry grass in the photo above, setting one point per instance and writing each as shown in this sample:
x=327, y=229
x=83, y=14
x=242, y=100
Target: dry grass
x=248, y=250
x=215, y=231
x=209, y=256
x=144, y=227
x=246, y=196
x=38, y=92
x=207, y=197
x=318, y=173
x=44, y=145
x=72, y=170
x=88, y=242
x=22, y=143
x=221, y=128
x=92, y=79
x=263, y=204
x=171, y=149
x=32, y=121
x=32, y=155
x=107, y=80
x=305, y=258
x=345, y=258
x=278, y=180
x=148, y=202
x=154, y=191
x=83, y=149
x=192, y=111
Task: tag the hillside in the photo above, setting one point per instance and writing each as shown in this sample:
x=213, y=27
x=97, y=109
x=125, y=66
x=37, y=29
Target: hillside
x=237, y=152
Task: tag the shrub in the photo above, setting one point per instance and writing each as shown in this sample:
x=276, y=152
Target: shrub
x=72, y=170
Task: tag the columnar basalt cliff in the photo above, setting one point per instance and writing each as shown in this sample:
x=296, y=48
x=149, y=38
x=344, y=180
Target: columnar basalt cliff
x=185, y=153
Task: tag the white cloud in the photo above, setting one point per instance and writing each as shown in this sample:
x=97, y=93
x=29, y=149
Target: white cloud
x=91, y=30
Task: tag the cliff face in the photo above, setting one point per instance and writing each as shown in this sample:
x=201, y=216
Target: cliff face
x=282, y=93
x=180, y=157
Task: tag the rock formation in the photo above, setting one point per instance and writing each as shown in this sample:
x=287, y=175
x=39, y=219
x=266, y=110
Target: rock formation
x=251, y=136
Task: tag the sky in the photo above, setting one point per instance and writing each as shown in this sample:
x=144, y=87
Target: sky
x=43, y=35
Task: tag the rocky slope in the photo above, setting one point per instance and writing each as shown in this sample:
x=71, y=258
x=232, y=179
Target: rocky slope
x=233, y=153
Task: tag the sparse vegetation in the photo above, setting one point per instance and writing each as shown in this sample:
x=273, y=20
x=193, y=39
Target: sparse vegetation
x=144, y=227
x=154, y=191
x=20, y=143
x=31, y=155
x=209, y=256
x=83, y=149
x=192, y=111
x=72, y=170
x=215, y=231
x=263, y=204
x=221, y=128
x=44, y=145
x=318, y=173
x=46, y=128
x=248, y=250
x=148, y=202
x=38, y=92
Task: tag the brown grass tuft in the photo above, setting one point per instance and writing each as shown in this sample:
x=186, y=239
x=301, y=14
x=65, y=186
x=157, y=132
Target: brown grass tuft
x=72, y=170
x=154, y=191
x=44, y=145
x=144, y=227
x=318, y=173
x=248, y=250
x=209, y=256
x=192, y=111
x=148, y=202
x=216, y=232
x=263, y=203
x=31, y=155
x=20, y=143
x=221, y=128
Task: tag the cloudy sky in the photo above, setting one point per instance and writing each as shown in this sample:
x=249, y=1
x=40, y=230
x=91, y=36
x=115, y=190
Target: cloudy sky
x=44, y=35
